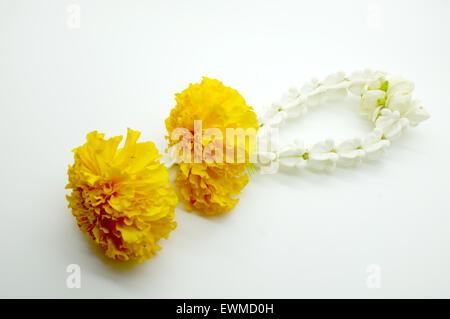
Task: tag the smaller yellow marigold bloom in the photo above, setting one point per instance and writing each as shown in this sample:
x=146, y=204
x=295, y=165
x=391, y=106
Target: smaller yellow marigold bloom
x=121, y=197
x=210, y=188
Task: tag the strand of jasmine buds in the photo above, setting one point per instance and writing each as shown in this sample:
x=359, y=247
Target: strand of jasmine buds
x=385, y=100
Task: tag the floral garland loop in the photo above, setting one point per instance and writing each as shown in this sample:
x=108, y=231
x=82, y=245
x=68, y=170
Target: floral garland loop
x=385, y=100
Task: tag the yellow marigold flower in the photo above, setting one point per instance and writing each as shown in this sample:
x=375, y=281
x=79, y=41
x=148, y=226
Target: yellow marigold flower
x=210, y=188
x=121, y=197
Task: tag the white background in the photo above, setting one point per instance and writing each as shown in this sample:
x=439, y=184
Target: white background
x=292, y=235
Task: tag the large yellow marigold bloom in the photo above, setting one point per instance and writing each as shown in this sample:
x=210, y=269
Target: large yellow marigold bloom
x=210, y=188
x=121, y=197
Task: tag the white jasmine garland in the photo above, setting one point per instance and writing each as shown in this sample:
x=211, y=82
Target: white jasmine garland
x=386, y=101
